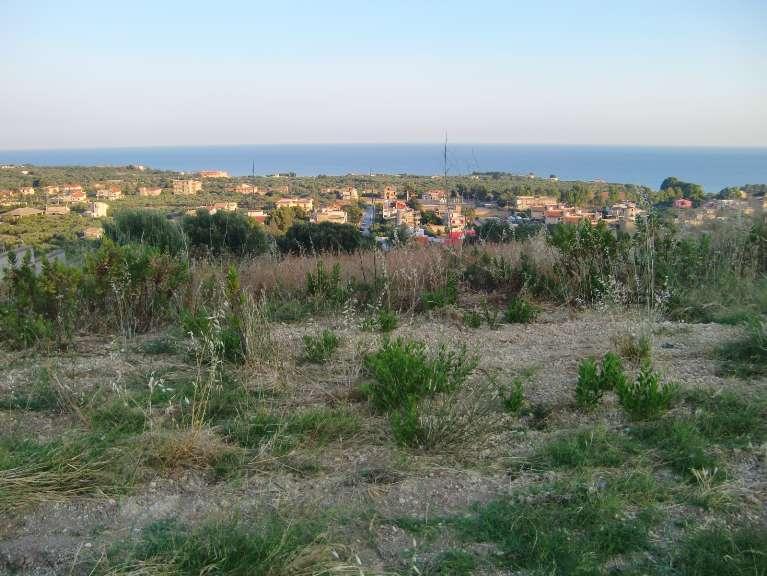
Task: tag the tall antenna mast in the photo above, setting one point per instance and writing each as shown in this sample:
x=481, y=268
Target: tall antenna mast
x=447, y=192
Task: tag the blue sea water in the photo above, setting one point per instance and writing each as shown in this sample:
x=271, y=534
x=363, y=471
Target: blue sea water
x=714, y=168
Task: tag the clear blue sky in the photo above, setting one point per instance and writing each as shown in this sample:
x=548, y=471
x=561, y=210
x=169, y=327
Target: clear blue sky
x=80, y=73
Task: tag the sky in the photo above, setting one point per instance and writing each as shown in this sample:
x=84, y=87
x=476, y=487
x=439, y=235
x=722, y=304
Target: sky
x=82, y=73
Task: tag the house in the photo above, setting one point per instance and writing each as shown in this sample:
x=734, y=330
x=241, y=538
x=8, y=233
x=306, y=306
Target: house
x=19, y=213
x=331, y=214
x=27, y=191
x=147, y=191
x=408, y=217
x=70, y=189
x=98, y=209
x=625, y=210
x=348, y=193
x=225, y=206
x=528, y=202
x=306, y=204
x=56, y=210
x=50, y=190
x=186, y=187
x=682, y=203
x=389, y=193
x=213, y=174
x=245, y=188
x=553, y=216
x=93, y=233
x=435, y=194
x=258, y=215
x=110, y=193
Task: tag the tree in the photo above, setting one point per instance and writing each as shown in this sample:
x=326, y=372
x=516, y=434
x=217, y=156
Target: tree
x=353, y=213
x=225, y=232
x=322, y=237
x=282, y=218
x=148, y=227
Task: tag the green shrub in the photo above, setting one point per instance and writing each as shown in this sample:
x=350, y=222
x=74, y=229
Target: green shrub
x=387, y=320
x=319, y=349
x=611, y=376
x=520, y=311
x=406, y=424
x=308, y=237
x=142, y=226
x=588, y=389
x=403, y=370
x=442, y=296
x=646, y=397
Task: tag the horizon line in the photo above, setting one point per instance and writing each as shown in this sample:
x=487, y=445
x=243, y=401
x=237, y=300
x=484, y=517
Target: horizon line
x=392, y=143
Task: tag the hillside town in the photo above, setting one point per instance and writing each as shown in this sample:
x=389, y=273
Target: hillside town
x=433, y=215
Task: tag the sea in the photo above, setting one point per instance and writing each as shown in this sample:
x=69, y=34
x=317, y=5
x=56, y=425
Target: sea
x=713, y=168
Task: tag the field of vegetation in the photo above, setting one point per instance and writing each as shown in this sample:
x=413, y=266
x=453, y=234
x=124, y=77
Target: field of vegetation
x=186, y=400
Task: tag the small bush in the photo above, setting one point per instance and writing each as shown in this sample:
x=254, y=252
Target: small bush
x=588, y=390
x=327, y=289
x=520, y=311
x=387, y=320
x=403, y=369
x=633, y=349
x=319, y=349
x=612, y=376
x=646, y=397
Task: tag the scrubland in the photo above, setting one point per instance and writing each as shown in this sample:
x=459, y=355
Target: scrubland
x=573, y=403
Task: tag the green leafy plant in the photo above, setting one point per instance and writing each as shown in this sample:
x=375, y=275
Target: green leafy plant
x=404, y=369
x=513, y=396
x=646, y=397
x=318, y=349
x=387, y=320
x=520, y=311
x=611, y=375
x=588, y=390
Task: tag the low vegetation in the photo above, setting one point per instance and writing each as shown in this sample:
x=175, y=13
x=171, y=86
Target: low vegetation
x=310, y=406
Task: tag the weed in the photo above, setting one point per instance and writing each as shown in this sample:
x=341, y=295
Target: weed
x=163, y=345
x=596, y=447
x=442, y=296
x=118, y=417
x=520, y=311
x=472, y=319
x=232, y=547
x=319, y=349
x=717, y=550
x=728, y=419
x=41, y=396
x=635, y=350
x=646, y=397
x=565, y=528
x=513, y=396
x=680, y=446
x=747, y=355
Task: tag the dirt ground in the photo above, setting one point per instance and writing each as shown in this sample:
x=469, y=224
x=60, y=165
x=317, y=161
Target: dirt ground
x=49, y=538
